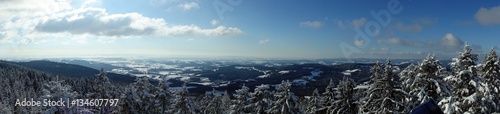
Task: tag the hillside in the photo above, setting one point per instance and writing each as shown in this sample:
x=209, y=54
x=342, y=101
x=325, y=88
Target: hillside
x=71, y=70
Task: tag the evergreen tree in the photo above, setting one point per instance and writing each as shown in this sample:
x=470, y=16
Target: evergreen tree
x=345, y=103
x=56, y=91
x=226, y=102
x=407, y=77
x=286, y=102
x=140, y=96
x=215, y=104
x=376, y=71
x=374, y=91
x=427, y=83
x=465, y=97
x=384, y=96
x=329, y=96
x=490, y=74
x=260, y=99
x=183, y=104
x=104, y=90
x=241, y=103
x=163, y=97
x=103, y=85
x=314, y=104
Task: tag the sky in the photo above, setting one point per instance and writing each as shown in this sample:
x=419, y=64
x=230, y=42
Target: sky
x=294, y=29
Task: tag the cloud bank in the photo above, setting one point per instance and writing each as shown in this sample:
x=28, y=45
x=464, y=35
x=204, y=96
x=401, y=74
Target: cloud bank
x=448, y=43
x=488, y=16
x=25, y=21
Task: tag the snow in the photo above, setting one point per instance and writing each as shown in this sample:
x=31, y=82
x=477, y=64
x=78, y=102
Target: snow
x=264, y=76
x=284, y=72
x=348, y=72
x=204, y=83
x=120, y=71
x=173, y=76
x=185, y=78
x=362, y=87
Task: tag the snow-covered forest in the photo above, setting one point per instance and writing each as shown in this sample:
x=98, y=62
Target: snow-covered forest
x=468, y=86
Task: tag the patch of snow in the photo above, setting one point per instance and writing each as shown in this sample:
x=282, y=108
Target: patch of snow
x=120, y=71
x=173, y=76
x=205, y=83
x=185, y=78
x=348, y=72
x=264, y=76
x=284, y=72
x=362, y=87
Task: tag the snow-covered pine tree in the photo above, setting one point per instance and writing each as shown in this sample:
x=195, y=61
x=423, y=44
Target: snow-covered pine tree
x=104, y=90
x=226, y=102
x=260, y=99
x=214, y=105
x=286, y=102
x=55, y=91
x=345, y=103
x=490, y=75
x=142, y=95
x=205, y=100
x=465, y=97
x=384, y=94
x=428, y=82
x=241, y=103
x=182, y=103
x=314, y=104
x=376, y=71
x=329, y=96
x=163, y=97
x=374, y=91
x=103, y=85
x=5, y=109
x=407, y=77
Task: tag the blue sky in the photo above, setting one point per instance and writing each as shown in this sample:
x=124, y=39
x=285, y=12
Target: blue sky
x=296, y=29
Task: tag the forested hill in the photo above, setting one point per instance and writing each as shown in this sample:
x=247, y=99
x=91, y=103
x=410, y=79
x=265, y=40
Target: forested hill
x=70, y=70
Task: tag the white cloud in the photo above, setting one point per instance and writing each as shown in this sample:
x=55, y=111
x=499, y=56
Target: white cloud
x=359, y=43
x=451, y=42
x=98, y=22
x=406, y=42
x=359, y=22
x=25, y=21
x=264, y=41
x=31, y=8
x=88, y=3
x=311, y=24
x=393, y=55
x=188, y=6
x=189, y=30
x=448, y=43
x=489, y=16
x=214, y=22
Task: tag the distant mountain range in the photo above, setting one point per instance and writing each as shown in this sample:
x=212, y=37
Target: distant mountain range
x=71, y=70
x=226, y=77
